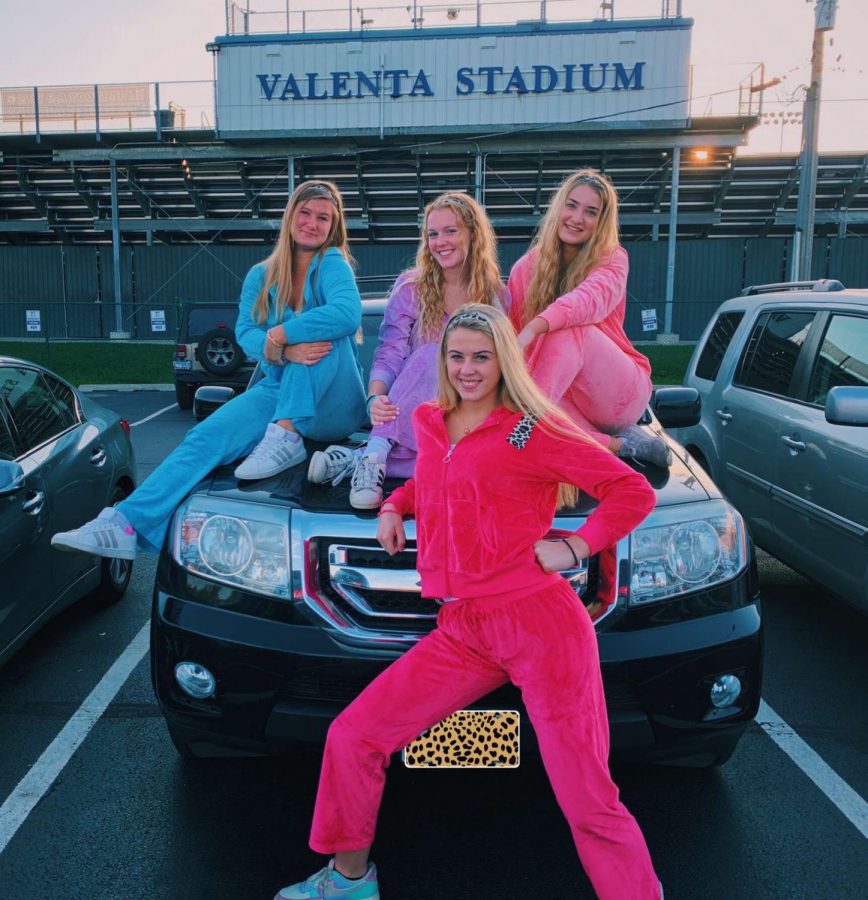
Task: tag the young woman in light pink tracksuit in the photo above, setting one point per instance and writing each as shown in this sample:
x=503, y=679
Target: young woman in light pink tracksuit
x=495, y=458
x=569, y=296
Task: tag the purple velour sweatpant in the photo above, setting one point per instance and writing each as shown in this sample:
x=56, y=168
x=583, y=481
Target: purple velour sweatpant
x=546, y=645
x=416, y=383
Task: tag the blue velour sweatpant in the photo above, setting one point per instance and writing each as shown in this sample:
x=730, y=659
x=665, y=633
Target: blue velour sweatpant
x=326, y=402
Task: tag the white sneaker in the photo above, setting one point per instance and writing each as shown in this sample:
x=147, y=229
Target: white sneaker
x=332, y=464
x=109, y=534
x=366, y=491
x=274, y=453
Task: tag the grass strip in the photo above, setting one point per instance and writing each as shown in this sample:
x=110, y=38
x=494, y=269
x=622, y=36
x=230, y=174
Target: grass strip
x=133, y=363
x=98, y=362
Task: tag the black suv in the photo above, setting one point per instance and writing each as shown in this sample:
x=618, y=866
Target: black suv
x=274, y=606
x=207, y=352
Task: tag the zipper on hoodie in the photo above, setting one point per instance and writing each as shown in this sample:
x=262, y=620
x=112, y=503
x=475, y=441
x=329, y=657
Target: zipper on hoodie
x=446, y=505
x=446, y=461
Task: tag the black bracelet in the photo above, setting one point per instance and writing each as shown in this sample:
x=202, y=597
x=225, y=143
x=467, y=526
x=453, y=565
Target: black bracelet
x=575, y=558
x=369, y=403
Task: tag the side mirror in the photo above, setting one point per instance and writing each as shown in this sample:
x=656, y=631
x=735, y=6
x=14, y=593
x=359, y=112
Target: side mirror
x=208, y=398
x=11, y=477
x=676, y=407
x=847, y=406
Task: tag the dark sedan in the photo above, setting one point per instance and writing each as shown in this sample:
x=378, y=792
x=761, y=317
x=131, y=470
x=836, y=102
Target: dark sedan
x=62, y=459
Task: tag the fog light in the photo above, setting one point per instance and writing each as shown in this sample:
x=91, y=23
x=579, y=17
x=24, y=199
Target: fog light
x=195, y=680
x=725, y=691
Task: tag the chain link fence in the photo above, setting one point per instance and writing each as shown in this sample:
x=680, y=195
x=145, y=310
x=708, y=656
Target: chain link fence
x=159, y=322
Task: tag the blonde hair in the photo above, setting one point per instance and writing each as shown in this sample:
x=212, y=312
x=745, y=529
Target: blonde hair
x=553, y=275
x=517, y=390
x=278, y=266
x=483, y=278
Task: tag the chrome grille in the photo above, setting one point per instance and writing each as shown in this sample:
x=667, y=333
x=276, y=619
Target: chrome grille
x=374, y=589
x=371, y=598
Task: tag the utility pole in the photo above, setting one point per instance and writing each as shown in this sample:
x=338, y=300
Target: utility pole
x=803, y=237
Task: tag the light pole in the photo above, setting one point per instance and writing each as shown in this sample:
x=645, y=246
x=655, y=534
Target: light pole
x=803, y=237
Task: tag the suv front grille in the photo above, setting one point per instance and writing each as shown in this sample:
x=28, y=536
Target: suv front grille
x=374, y=590
x=380, y=594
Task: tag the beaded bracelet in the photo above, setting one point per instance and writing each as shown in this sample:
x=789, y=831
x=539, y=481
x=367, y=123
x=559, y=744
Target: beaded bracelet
x=575, y=558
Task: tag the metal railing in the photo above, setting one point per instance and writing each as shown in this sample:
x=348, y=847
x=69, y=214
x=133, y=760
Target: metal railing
x=274, y=17
x=162, y=106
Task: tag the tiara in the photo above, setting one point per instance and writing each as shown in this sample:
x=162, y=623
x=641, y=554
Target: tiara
x=468, y=317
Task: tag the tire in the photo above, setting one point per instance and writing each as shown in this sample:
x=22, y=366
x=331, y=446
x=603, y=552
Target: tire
x=184, y=394
x=219, y=352
x=115, y=574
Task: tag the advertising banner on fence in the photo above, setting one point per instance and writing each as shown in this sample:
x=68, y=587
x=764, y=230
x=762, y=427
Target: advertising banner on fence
x=611, y=75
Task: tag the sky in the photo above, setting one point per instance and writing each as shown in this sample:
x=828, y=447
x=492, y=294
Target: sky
x=47, y=42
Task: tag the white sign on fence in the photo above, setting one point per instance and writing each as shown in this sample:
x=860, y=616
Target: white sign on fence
x=158, y=320
x=34, y=320
x=649, y=320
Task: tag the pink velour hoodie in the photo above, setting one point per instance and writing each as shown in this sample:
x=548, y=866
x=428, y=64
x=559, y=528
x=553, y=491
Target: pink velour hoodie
x=600, y=300
x=481, y=506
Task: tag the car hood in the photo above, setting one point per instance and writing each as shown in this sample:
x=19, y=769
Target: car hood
x=677, y=485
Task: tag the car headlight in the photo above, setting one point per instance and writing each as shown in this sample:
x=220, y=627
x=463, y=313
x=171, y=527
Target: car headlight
x=238, y=544
x=677, y=551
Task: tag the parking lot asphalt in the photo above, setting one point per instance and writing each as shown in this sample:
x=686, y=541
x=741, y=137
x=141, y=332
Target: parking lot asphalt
x=127, y=818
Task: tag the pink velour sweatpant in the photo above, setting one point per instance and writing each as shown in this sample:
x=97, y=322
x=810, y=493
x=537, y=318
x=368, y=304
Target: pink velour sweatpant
x=583, y=371
x=546, y=645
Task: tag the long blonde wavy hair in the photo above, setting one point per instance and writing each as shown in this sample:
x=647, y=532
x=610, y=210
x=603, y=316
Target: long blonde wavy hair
x=553, y=275
x=516, y=390
x=482, y=270
x=278, y=266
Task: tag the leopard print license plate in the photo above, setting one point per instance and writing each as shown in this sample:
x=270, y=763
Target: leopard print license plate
x=469, y=738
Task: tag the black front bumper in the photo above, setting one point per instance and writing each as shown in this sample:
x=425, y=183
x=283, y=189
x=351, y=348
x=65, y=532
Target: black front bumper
x=280, y=683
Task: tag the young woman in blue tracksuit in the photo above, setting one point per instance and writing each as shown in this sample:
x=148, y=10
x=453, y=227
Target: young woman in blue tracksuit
x=299, y=312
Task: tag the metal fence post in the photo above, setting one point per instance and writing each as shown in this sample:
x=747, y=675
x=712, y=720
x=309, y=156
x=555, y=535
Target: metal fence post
x=116, y=250
x=96, y=111
x=36, y=114
x=159, y=117
x=673, y=228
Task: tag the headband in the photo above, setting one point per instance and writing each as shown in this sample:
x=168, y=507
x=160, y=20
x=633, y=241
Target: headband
x=468, y=317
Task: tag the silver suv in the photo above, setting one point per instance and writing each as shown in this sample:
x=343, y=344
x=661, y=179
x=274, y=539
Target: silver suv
x=782, y=372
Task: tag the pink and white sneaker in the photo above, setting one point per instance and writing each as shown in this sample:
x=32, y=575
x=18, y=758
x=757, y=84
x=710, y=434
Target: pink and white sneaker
x=109, y=534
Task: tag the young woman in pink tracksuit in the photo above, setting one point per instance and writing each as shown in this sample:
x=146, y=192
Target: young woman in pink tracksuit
x=569, y=295
x=495, y=458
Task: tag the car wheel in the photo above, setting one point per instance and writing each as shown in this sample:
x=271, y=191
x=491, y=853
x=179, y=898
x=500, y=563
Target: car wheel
x=184, y=394
x=115, y=574
x=219, y=352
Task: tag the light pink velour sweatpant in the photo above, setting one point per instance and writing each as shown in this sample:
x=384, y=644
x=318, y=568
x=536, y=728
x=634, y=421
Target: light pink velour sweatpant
x=600, y=387
x=546, y=645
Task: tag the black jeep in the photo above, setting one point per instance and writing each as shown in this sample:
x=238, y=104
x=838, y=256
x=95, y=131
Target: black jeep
x=207, y=352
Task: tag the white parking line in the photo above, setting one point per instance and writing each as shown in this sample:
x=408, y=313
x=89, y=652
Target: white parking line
x=159, y=412
x=809, y=761
x=43, y=773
